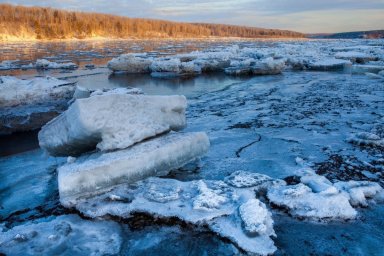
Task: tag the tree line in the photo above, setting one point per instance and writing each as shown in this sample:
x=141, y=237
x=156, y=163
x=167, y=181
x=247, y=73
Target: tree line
x=48, y=23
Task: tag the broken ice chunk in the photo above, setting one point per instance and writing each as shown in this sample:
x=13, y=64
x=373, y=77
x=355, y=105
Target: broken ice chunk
x=111, y=121
x=257, y=181
x=302, y=202
x=15, y=91
x=208, y=198
x=355, y=57
x=256, y=218
x=367, y=139
x=46, y=64
x=90, y=174
x=359, y=191
x=330, y=65
x=131, y=63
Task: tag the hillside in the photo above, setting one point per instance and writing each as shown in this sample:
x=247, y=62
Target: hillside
x=373, y=34
x=19, y=22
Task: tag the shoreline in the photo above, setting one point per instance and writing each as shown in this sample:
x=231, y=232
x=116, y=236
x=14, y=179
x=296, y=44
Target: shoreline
x=31, y=40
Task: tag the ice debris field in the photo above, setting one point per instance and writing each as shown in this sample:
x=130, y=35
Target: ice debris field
x=297, y=139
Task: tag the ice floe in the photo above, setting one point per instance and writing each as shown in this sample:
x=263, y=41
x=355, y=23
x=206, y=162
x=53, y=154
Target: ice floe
x=367, y=139
x=46, y=64
x=315, y=197
x=29, y=104
x=302, y=202
x=330, y=65
x=355, y=57
x=232, y=213
x=15, y=91
x=268, y=66
x=131, y=63
x=8, y=64
x=112, y=120
x=64, y=235
x=360, y=191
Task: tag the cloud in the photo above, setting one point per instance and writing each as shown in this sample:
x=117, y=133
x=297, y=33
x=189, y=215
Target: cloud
x=299, y=15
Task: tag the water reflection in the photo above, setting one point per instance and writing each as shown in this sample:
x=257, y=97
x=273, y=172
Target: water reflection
x=188, y=86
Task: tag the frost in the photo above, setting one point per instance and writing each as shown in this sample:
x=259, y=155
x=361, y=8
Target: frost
x=90, y=174
x=112, y=120
x=65, y=235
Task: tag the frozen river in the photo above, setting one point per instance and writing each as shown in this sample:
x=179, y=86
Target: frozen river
x=274, y=125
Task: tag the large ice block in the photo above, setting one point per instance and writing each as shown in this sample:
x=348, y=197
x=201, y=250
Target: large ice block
x=92, y=173
x=111, y=121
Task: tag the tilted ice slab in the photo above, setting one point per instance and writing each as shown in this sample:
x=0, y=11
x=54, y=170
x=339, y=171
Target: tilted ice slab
x=112, y=121
x=131, y=63
x=15, y=91
x=64, y=235
x=233, y=213
x=46, y=64
x=330, y=65
x=93, y=173
x=29, y=104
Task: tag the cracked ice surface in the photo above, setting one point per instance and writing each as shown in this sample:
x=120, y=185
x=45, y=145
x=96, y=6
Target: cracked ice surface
x=231, y=212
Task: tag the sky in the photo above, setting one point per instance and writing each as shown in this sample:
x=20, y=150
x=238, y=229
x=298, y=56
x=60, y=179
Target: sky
x=308, y=16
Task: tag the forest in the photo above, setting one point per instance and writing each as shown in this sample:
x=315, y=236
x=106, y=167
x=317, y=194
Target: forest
x=19, y=22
